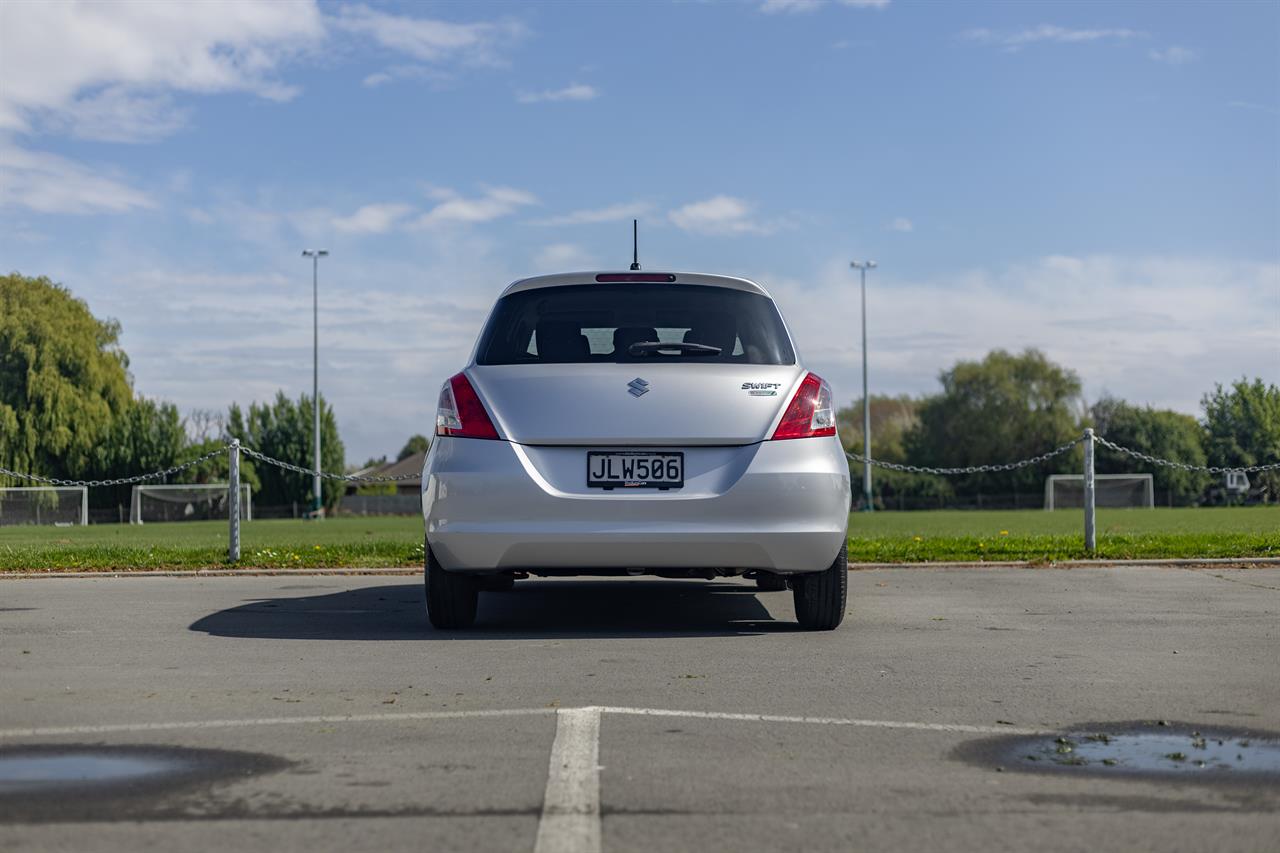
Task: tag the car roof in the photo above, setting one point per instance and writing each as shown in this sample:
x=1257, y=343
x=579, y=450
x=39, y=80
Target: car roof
x=567, y=278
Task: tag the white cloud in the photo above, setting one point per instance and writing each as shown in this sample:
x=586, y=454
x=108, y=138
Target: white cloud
x=572, y=92
x=453, y=208
x=116, y=114
x=372, y=218
x=202, y=340
x=107, y=71
x=1017, y=39
x=47, y=183
x=267, y=225
x=612, y=213
x=1174, y=55
x=1149, y=329
x=771, y=7
x=562, y=257
x=100, y=70
x=430, y=40
x=438, y=78
x=722, y=215
x=901, y=223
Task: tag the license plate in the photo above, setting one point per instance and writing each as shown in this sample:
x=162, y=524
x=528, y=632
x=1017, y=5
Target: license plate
x=635, y=469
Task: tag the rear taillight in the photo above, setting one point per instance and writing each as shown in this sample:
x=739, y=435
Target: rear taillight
x=460, y=411
x=810, y=414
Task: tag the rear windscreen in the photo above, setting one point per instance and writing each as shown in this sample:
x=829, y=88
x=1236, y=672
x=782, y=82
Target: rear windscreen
x=584, y=323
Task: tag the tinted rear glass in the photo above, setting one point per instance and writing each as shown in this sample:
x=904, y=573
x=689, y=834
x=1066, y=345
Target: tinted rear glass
x=586, y=323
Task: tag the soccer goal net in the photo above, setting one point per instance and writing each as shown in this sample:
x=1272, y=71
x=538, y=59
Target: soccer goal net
x=1066, y=491
x=60, y=505
x=193, y=502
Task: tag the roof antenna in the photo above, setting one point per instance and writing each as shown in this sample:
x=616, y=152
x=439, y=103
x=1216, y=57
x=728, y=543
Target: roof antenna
x=635, y=245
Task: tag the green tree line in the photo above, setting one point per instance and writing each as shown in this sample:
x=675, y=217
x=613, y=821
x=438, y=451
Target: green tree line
x=1012, y=406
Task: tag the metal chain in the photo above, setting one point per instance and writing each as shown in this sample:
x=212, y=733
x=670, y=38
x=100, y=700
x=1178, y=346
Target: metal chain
x=879, y=463
x=120, y=481
x=972, y=469
x=1156, y=460
x=350, y=478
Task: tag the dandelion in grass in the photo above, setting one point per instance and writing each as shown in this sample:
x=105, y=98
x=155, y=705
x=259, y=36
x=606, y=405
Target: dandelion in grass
x=1004, y=533
x=917, y=538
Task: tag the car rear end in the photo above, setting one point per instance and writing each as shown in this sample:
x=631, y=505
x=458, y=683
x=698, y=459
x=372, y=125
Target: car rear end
x=641, y=422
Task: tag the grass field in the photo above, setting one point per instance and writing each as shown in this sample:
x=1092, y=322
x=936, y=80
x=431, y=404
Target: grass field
x=896, y=537
x=888, y=537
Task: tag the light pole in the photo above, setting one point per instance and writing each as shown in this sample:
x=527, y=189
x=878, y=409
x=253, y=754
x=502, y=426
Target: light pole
x=315, y=255
x=862, y=267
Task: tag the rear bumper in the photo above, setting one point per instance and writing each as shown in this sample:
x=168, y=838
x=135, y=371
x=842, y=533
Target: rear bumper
x=778, y=506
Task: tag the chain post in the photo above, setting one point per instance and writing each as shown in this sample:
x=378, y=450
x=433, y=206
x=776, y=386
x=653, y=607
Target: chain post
x=1090, y=521
x=233, y=500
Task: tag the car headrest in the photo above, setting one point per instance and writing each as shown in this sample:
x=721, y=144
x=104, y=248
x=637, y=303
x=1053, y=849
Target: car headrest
x=559, y=340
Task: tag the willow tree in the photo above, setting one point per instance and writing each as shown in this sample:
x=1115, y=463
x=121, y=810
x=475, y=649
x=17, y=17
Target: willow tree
x=63, y=379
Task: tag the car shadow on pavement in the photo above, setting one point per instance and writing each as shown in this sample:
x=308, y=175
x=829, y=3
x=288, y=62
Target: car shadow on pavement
x=534, y=609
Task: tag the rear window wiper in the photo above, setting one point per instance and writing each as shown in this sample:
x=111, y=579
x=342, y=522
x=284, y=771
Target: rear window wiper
x=672, y=348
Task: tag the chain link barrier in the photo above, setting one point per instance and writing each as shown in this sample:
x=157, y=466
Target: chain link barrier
x=119, y=481
x=855, y=457
x=1044, y=457
x=972, y=469
x=1183, y=466
x=349, y=478
x=176, y=469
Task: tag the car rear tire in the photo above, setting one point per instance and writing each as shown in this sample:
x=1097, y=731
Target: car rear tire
x=820, y=597
x=452, y=597
x=766, y=582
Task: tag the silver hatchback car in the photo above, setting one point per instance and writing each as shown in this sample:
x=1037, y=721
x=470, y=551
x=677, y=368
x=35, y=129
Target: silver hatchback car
x=613, y=423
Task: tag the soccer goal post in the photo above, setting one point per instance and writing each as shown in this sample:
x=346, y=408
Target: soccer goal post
x=59, y=505
x=1066, y=491
x=191, y=502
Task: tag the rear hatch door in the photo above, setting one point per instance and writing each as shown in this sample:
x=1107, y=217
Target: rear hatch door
x=649, y=404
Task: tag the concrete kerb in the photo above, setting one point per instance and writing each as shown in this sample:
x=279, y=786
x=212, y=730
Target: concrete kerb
x=1179, y=563
x=1204, y=562
x=215, y=573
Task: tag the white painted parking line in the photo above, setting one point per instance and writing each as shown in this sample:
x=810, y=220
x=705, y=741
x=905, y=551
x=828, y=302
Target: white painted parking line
x=112, y=728
x=570, y=821
x=571, y=805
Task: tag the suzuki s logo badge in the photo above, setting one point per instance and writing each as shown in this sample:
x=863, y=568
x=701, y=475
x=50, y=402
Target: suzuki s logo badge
x=638, y=387
x=761, y=389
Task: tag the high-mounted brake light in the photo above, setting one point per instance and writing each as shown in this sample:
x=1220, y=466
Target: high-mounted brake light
x=460, y=411
x=664, y=277
x=810, y=414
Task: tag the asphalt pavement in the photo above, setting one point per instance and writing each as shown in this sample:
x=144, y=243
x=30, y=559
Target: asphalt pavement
x=291, y=713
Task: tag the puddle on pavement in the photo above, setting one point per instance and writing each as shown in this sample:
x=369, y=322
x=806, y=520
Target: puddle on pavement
x=1148, y=749
x=112, y=782
x=77, y=767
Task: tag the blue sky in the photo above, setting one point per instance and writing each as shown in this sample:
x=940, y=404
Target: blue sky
x=1099, y=180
